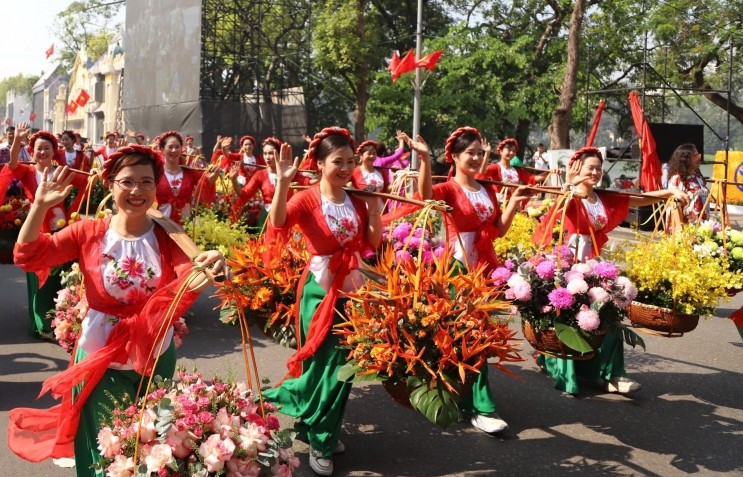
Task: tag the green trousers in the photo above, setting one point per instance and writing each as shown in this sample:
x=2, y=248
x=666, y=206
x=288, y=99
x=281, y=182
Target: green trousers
x=480, y=399
x=40, y=301
x=316, y=397
x=114, y=383
x=606, y=364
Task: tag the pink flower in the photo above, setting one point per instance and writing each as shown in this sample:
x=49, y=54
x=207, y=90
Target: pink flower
x=243, y=468
x=281, y=470
x=588, y=319
x=577, y=286
x=403, y=256
x=252, y=439
x=216, y=452
x=546, y=309
x=148, y=433
x=180, y=442
x=573, y=275
x=402, y=230
x=598, y=294
x=583, y=268
x=522, y=291
x=160, y=456
x=287, y=455
x=561, y=298
x=500, y=276
x=438, y=252
x=132, y=267
x=630, y=290
x=120, y=467
x=546, y=269
x=108, y=443
x=606, y=270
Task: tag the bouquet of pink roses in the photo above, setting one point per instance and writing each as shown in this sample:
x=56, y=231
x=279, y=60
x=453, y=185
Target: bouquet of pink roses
x=196, y=428
x=577, y=300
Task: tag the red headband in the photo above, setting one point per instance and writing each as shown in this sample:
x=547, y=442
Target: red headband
x=110, y=133
x=246, y=137
x=585, y=150
x=69, y=133
x=454, y=136
x=274, y=141
x=508, y=141
x=312, y=151
x=189, y=137
x=367, y=143
x=168, y=134
x=42, y=135
x=129, y=150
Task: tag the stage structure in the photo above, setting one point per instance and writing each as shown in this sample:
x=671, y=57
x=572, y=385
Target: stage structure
x=209, y=67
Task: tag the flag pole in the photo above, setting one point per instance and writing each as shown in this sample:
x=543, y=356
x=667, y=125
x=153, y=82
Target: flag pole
x=417, y=85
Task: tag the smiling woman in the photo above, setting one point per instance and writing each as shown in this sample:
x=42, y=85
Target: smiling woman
x=133, y=272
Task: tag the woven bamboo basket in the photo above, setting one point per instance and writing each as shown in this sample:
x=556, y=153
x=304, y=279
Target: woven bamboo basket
x=547, y=343
x=662, y=320
x=398, y=391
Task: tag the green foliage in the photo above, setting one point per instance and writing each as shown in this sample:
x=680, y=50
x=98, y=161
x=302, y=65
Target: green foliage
x=84, y=26
x=19, y=83
x=440, y=406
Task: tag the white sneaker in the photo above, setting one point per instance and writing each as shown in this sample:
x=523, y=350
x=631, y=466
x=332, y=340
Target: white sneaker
x=319, y=464
x=340, y=447
x=622, y=385
x=490, y=424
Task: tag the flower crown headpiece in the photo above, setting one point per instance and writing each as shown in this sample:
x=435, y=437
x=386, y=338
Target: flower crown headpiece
x=333, y=130
x=367, y=143
x=452, y=139
x=128, y=150
x=584, y=150
x=247, y=137
x=46, y=135
x=276, y=142
x=506, y=142
x=166, y=135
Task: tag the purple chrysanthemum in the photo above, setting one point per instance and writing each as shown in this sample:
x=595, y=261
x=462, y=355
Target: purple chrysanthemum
x=402, y=230
x=546, y=269
x=606, y=270
x=561, y=298
x=588, y=319
x=500, y=276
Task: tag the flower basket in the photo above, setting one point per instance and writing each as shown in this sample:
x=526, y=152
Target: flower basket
x=546, y=342
x=196, y=427
x=398, y=391
x=663, y=320
x=565, y=307
x=7, y=242
x=425, y=333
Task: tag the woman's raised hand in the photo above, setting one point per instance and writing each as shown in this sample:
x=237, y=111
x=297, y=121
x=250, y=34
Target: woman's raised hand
x=22, y=130
x=572, y=176
x=54, y=189
x=418, y=146
x=286, y=167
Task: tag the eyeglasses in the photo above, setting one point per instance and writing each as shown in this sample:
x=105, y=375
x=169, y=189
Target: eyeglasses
x=129, y=185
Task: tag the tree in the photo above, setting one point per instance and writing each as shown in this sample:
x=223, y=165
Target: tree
x=20, y=83
x=694, y=40
x=85, y=26
x=562, y=116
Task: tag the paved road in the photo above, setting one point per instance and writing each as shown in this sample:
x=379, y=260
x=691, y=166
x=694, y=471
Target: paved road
x=688, y=419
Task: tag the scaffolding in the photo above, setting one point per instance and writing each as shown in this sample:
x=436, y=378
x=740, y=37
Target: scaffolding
x=257, y=53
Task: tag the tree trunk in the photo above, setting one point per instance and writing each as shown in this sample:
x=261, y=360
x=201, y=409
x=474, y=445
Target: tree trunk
x=522, y=136
x=562, y=116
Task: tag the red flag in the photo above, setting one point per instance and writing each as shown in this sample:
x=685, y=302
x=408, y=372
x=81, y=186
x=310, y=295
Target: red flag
x=393, y=62
x=32, y=116
x=596, y=121
x=7, y=120
x=429, y=61
x=72, y=107
x=82, y=98
x=50, y=51
x=650, y=170
x=406, y=65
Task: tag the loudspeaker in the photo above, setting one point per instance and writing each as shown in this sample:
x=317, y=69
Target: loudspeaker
x=669, y=136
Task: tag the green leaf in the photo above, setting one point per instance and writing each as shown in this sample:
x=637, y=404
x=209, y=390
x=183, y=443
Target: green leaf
x=571, y=338
x=633, y=339
x=438, y=405
x=347, y=372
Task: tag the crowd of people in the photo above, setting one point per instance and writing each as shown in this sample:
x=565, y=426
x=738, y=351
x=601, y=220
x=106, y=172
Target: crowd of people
x=132, y=267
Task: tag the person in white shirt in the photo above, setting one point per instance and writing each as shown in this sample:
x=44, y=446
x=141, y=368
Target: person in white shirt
x=23, y=155
x=541, y=158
